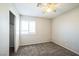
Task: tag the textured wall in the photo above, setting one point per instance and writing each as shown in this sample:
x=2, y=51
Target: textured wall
x=4, y=29
x=65, y=30
x=42, y=34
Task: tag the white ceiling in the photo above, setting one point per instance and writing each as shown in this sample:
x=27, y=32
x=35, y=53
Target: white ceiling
x=31, y=9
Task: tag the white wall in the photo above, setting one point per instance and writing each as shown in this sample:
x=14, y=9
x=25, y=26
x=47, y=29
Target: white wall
x=65, y=30
x=4, y=29
x=43, y=31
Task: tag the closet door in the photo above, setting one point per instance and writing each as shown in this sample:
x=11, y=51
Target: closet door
x=17, y=34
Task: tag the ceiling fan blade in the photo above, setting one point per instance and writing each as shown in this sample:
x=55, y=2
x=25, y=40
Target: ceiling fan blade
x=38, y=4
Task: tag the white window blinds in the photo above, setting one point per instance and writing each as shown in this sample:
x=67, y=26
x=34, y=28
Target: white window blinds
x=27, y=27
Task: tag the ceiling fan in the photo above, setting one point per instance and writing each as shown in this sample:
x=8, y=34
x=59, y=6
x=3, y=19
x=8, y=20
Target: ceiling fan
x=48, y=7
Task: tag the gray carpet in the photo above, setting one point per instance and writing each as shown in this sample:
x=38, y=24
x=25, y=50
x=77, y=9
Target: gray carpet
x=44, y=49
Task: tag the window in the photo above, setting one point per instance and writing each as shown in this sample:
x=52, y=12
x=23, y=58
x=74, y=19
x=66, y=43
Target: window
x=27, y=27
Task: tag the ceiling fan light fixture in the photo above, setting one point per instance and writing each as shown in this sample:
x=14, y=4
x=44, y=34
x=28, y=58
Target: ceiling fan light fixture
x=48, y=7
x=49, y=10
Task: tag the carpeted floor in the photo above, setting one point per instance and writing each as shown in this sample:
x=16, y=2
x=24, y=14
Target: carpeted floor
x=44, y=49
